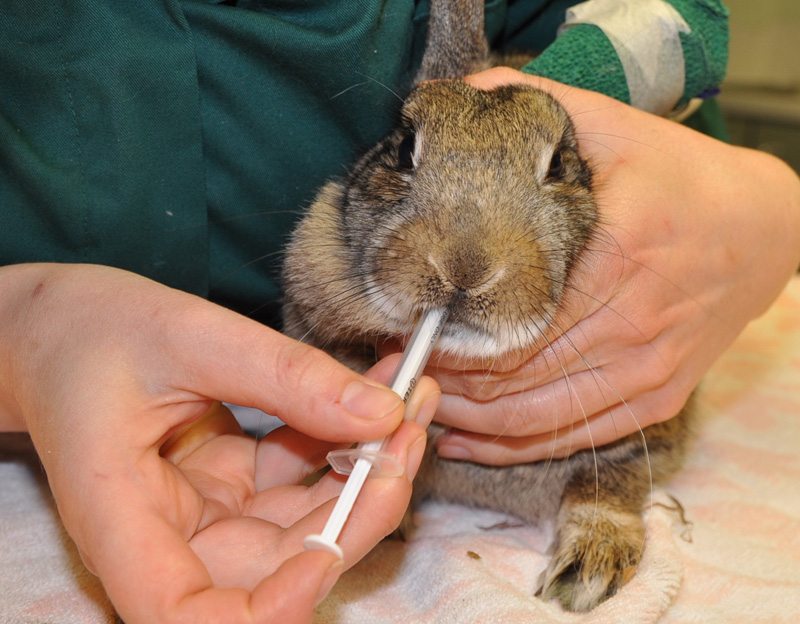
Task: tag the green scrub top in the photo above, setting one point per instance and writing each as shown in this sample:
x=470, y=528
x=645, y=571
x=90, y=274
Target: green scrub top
x=181, y=139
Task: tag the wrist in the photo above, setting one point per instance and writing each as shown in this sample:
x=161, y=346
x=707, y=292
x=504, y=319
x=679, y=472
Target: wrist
x=778, y=222
x=18, y=288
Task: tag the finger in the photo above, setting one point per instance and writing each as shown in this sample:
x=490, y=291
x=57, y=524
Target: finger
x=574, y=99
x=288, y=505
x=606, y=426
x=561, y=359
x=290, y=594
x=236, y=360
x=287, y=457
x=302, y=582
x=253, y=547
x=422, y=402
x=216, y=421
x=383, y=502
x=152, y=575
x=596, y=431
x=569, y=400
x=602, y=124
x=377, y=512
x=242, y=551
x=597, y=343
x=536, y=410
x=497, y=77
x=135, y=559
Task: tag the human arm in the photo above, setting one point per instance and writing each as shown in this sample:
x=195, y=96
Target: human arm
x=697, y=238
x=117, y=380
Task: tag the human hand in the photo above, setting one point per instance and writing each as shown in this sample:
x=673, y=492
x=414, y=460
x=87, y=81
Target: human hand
x=179, y=514
x=696, y=239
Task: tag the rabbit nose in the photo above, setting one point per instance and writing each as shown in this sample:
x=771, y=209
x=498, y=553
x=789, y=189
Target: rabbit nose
x=468, y=272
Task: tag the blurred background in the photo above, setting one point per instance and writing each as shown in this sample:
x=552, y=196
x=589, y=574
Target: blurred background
x=761, y=96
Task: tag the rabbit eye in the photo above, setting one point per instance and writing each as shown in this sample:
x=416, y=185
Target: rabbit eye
x=405, y=152
x=556, y=169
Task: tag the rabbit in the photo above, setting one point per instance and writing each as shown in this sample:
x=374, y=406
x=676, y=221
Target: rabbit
x=479, y=201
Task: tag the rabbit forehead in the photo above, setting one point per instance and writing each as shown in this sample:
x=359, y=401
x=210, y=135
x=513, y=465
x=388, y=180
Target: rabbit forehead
x=454, y=113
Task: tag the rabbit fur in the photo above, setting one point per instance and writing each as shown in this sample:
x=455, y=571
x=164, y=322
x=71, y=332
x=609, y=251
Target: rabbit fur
x=479, y=201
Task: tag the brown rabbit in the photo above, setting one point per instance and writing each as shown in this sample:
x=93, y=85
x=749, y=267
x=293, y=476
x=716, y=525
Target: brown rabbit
x=478, y=201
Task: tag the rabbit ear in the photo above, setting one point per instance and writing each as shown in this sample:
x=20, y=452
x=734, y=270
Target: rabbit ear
x=456, y=45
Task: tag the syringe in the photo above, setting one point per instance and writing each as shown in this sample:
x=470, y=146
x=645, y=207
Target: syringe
x=405, y=379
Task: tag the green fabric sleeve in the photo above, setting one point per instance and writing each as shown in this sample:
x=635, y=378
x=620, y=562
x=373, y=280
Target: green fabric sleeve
x=705, y=49
x=583, y=56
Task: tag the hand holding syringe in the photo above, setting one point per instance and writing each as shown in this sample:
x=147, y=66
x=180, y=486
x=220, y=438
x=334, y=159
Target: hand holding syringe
x=367, y=454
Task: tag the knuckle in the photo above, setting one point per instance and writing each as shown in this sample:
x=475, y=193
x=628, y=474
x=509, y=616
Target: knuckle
x=516, y=417
x=301, y=372
x=294, y=363
x=665, y=402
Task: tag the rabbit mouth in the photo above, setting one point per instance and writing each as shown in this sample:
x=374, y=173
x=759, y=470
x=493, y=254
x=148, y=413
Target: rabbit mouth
x=469, y=342
x=468, y=333
x=495, y=306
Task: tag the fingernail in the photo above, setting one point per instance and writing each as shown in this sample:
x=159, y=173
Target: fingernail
x=427, y=411
x=369, y=402
x=331, y=576
x=414, y=457
x=452, y=450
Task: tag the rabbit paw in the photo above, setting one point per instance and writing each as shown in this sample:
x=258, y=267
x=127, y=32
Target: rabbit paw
x=597, y=553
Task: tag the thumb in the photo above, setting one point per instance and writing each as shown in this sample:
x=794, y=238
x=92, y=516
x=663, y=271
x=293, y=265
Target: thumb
x=288, y=595
x=231, y=358
x=297, y=587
